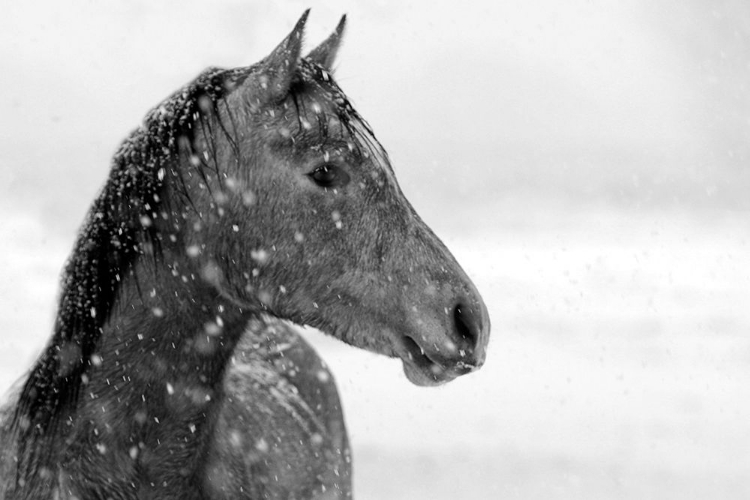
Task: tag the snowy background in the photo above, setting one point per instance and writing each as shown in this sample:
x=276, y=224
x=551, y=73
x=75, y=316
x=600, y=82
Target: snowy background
x=587, y=162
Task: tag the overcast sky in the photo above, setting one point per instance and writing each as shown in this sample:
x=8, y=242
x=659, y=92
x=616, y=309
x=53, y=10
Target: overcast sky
x=627, y=103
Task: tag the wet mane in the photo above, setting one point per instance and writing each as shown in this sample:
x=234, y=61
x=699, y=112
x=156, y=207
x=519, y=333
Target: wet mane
x=116, y=232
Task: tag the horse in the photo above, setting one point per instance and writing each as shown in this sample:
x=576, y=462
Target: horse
x=249, y=200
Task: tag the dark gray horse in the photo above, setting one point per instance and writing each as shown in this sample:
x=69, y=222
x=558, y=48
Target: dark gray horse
x=250, y=196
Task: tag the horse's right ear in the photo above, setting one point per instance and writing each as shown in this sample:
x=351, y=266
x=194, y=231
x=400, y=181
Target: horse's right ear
x=325, y=53
x=277, y=69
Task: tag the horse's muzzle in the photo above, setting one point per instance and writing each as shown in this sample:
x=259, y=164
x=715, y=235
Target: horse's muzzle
x=430, y=359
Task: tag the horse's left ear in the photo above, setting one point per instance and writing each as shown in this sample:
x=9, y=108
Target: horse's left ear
x=325, y=53
x=277, y=69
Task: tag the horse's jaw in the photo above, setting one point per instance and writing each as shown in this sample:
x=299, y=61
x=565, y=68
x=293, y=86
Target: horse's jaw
x=429, y=368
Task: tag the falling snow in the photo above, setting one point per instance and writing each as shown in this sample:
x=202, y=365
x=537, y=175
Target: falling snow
x=629, y=417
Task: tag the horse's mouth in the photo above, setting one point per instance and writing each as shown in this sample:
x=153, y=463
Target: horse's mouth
x=426, y=368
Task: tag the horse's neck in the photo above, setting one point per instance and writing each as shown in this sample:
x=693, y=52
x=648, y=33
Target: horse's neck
x=148, y=312
x=168, y=323
x=160, y=362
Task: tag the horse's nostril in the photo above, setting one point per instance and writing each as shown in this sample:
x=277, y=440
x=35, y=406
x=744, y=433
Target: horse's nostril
x=467, y=324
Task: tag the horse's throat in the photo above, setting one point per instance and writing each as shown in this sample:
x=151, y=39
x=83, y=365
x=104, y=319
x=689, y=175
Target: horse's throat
x=156, y=380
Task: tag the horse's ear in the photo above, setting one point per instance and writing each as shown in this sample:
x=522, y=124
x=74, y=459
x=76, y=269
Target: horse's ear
x=277, y=69
x=325, y=53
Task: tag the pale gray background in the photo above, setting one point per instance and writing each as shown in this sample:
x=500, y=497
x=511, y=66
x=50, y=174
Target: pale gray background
x=587, y=162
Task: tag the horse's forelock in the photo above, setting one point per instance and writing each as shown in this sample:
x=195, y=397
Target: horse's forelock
x=318, y=100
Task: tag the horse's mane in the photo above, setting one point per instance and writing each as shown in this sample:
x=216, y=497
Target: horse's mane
x=115, y=233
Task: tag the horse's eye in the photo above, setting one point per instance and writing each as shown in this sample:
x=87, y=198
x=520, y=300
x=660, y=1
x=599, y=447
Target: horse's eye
x=329, y=176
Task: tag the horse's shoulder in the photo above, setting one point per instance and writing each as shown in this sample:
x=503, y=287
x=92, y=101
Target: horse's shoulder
x=280, y=431
x=7, y=444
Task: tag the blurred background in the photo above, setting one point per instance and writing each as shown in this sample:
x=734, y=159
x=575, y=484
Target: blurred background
x=586, y=162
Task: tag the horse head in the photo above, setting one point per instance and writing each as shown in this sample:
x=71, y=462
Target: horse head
x=295, y=209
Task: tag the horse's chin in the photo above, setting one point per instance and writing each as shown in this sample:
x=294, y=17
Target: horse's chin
x=426, y=376
x=430, y=368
